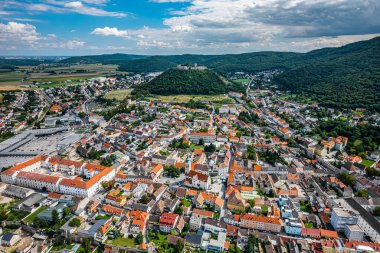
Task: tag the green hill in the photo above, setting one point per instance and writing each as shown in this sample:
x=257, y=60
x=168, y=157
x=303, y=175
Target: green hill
x=345, y=77
x=178, y=81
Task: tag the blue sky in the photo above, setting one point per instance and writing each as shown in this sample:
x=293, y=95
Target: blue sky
x=79, y=27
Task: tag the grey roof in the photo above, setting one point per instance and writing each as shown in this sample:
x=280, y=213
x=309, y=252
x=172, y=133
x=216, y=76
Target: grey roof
x=33, y=199
x=194, y=239
x=7, y=237
x=365, y=215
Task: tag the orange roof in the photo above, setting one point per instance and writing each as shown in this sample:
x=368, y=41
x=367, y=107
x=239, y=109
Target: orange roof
x=329, y=233
x=202, y=134
x=112, y=210
x=25, y=164
x=157, y=168
x=55, y=108
x=54, y=195
x=201, y=212
x=198, y=151
x=264, y=219
x=256, y=167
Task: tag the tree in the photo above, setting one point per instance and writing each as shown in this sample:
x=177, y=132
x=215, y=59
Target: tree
x=145, y=199
x=251, y=202
x=87, y=245
x=55, y=216
x=201, y=142
x=66, y=212
x=139, y=239
x=179, y=246
x=178, y=210
x=362, y=193
x=75, y=222
x=347, y=179
x=210, y=148
x=376, y=211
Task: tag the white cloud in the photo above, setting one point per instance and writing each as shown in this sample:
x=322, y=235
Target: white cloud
x=110, y=31
x=170, y=1
x=79, y=7
x=14, y=36
x=18, y=32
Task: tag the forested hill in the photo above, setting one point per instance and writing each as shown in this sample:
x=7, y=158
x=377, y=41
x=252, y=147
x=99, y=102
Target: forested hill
x=345, y=77
x=180, y=81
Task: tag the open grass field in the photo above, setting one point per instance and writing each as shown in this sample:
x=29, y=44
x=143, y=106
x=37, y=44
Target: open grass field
x=53, y=85
x=86, y=67
x=123, y=242
x=31, y=217
x=186, y=98
x=62, y=78
x=243, y=80
x=118, y=94
x=10, y=76
x=367, y=163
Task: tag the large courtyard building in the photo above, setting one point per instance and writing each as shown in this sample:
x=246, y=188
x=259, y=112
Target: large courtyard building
x=59, y=175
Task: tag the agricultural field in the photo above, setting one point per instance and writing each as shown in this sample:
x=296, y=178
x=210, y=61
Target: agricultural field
x=186, y=98
x=10, y=80
x=118, y=95
x=80, y=68
x=42, y=77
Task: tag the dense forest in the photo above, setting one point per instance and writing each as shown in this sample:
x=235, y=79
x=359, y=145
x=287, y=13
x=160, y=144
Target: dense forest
x=345, y=77
x=178, y=81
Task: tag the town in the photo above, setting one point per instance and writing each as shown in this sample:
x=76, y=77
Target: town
x=90, y=168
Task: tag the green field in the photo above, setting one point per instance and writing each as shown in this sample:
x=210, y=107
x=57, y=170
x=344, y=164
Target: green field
x=242, y=80
x=62, y=78
x=118, y=94
x=53, y=85
x=367, y=163
x=357, y=142
x=10, y=76
x=123, y=242
x=186, y=98
x=31, y=217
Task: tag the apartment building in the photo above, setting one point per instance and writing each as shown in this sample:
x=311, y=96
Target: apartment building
x=252, y=221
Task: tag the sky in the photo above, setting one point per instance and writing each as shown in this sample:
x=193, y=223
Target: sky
x=153, y=27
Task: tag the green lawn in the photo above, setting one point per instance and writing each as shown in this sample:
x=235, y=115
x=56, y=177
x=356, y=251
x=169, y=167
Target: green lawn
x=309, y=225
x=123, y=242
x=186, y=202
x=305, y=206
x=158, y=238
x=118, y=94
x=102, y=217
x=7, y=214
x=357, y=142
x=31, y=217
x=367, y=163
x=242, y=80
x=264, y=209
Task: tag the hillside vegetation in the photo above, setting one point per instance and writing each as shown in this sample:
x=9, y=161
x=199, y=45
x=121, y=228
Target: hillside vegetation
x=178, y=81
